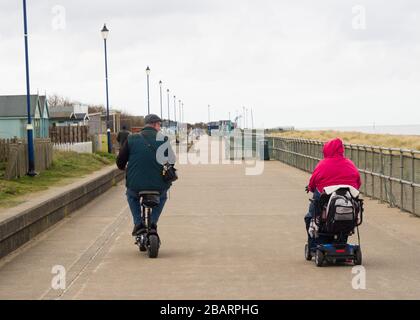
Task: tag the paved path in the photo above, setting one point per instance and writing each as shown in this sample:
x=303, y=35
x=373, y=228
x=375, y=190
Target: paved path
x=225, y=236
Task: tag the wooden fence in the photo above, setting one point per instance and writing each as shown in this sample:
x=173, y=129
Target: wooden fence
x=69, y=134
x=4, y=148
x=17, y=162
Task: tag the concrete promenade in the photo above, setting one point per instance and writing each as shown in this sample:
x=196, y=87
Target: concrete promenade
x=225, y=235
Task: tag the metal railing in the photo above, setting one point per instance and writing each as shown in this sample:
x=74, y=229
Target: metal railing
x=390, y=175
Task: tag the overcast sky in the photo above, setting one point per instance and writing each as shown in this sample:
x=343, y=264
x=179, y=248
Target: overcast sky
x=300, y=62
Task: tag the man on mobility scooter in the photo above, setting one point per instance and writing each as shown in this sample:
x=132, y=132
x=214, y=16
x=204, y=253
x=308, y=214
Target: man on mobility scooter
x=329, y=223
x=146, y=155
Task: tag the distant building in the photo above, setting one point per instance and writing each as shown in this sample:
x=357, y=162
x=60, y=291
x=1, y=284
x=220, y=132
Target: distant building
x=76, y=115
x=225, y=126
x=14, y=116
x=97, y=122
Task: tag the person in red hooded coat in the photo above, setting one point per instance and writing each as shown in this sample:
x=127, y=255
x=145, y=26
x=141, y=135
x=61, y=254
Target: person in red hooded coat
x=334, y=169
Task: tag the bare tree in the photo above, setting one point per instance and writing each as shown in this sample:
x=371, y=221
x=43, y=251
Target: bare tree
x=59, y=101
x=96, y=108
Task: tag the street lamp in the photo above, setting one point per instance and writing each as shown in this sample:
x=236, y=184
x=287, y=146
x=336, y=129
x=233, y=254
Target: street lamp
x=183, y=118
x=209, y=113
x=247, y=118
x=148, y=96
x=175, y=111
x=186, y=125
x=176, y=123
x=105, y=32
x=29, y=126
x=169, y=114
x=160, y=87
x=179, y=110
x=244, y=121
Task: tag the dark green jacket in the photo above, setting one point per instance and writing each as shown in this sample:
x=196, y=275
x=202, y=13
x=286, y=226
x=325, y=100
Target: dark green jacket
x=144, y=172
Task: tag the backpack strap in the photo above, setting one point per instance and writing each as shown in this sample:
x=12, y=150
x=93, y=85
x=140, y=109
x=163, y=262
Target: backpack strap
x=147, y=142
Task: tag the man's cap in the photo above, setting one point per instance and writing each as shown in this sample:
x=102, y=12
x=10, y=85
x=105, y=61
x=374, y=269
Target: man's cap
x=152, y=118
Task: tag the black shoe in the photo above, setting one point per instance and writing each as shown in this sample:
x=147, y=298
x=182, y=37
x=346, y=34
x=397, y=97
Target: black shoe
x=138, y=229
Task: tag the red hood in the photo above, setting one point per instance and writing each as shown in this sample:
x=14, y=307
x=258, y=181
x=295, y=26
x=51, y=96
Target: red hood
x=334, y=149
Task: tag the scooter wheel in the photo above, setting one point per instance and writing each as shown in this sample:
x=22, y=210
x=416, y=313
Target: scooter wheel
x=142, y=248
x=319, y=258
x=153, y=246
x=308, y=255
x=358, y=257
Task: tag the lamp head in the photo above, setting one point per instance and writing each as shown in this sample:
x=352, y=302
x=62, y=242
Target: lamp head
x=104, y=32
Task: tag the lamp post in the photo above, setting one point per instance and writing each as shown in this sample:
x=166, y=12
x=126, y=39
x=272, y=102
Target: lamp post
x=252, y=120
x=183, y=114
x=247, y=117
x=186, y=125
x=176, y=123
x=29, y=126
x=148, y=96
x=175, y=113
x=169, y=114
x=179, y=110
x=244, y=121
x=161, y=111
x=105, y=32
x=209, y=112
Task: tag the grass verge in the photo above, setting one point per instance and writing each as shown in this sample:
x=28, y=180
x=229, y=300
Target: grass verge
x=65, y=165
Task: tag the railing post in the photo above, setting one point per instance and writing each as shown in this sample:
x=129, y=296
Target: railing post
x=372, y=170
x=312, y=155
x=401, y=178
x=358, y=158
x=389, y=178
x=413, y=178
x=307, y=159
x=365, y=187
x=381, y=176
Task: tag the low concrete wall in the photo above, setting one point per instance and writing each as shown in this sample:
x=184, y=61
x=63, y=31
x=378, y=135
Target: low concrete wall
x=21, y=228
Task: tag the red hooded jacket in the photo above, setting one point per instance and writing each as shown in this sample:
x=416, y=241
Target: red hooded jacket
x=334, y=169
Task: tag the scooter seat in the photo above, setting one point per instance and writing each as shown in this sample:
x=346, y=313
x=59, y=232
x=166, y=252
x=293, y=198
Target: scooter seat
x=150, y=199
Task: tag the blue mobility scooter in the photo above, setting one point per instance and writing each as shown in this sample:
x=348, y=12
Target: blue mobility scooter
x=338, y=215
x=147, y=239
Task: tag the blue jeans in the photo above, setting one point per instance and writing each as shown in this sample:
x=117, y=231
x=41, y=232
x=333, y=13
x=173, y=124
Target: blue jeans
x=134, y=203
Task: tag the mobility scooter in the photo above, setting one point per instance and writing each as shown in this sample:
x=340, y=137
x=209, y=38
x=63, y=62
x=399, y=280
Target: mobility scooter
x=338, y=214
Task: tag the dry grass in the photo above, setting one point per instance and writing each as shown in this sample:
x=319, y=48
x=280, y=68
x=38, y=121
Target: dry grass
x=383, y=140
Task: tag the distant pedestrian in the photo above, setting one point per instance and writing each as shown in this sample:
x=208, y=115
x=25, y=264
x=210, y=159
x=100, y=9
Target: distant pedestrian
x=123, y=135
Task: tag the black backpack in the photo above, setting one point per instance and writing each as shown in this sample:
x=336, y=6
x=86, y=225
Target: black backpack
x=343, y=212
